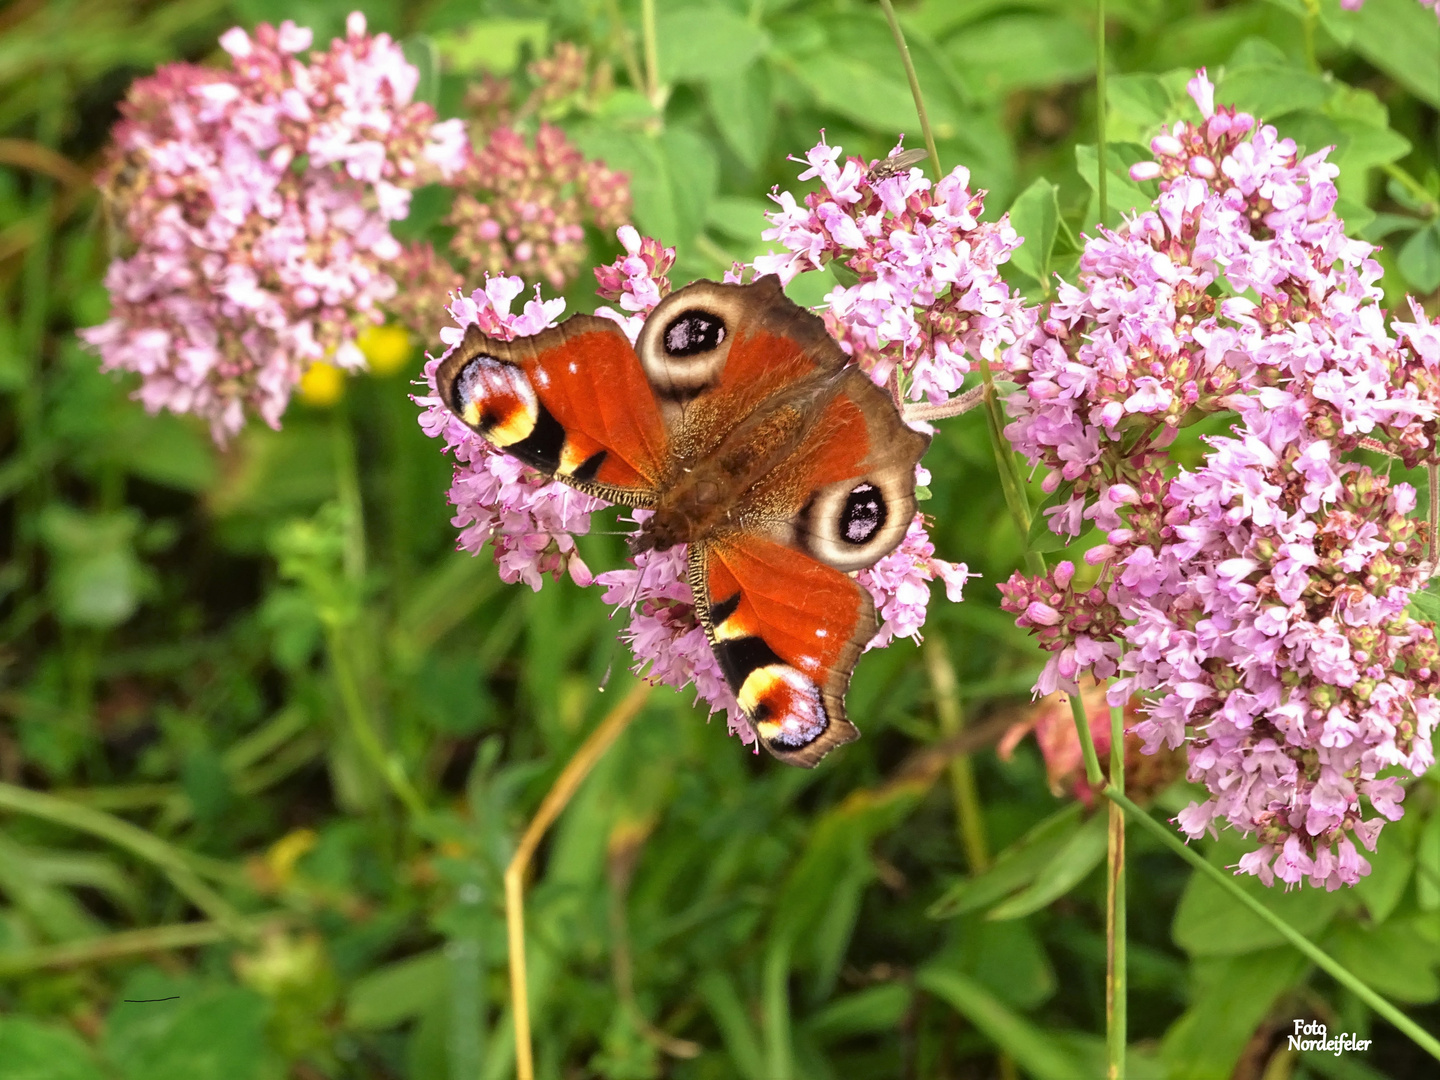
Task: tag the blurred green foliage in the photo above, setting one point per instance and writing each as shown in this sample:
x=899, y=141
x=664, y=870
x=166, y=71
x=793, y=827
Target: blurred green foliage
x=289, y=737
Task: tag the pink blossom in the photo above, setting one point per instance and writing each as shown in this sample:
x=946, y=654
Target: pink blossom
x=929, y=300
x=1258, y=602
x=248, y=267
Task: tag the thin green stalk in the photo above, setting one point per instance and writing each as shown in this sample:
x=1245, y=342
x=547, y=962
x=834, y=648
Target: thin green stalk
x=1312, y=952
x=1100, y=170
x=1115, y=914
x=30, y=344
x=119, y=946
x=652, y=53
x=1093, y=774
x=146, y=845
x=969, y=817
x=1414, y=186
x=775, y=997
x=904, y=50
x=1307, y=23
x=386, y=764
x=1432, y=513
x=347, y=485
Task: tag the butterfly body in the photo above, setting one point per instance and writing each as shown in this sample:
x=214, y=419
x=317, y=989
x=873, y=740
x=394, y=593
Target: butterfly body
x=740, y=424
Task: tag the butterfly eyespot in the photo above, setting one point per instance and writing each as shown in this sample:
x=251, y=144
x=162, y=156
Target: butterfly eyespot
x=694, y=332
x=863, y=514
x=496, y=399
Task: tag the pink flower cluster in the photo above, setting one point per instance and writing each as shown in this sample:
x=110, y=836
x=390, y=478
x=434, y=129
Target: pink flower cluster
x=1258, y=602
x=1356, y=5
x=929, y=298
x=1272, y=626
x=258, y=201
x=521, y=208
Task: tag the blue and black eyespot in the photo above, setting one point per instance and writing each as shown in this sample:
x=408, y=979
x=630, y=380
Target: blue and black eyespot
x=695, y=332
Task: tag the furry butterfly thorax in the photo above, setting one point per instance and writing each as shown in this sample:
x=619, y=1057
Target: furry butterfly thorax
x=746, y=430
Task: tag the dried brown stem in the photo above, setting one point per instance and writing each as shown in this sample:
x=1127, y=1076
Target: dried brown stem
x=556, y=799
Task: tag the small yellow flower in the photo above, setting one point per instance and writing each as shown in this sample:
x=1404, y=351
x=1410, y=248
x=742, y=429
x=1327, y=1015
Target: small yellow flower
x=280, y=860
x=322, y=384
x=386, y=348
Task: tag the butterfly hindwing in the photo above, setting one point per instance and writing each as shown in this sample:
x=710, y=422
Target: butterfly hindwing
x=786, y=630
x=572, y=401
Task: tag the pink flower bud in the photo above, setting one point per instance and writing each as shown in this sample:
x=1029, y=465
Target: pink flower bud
x=1166, y=146
x=1064, y=573
x=1145, y=170
x=1042, y=614
x=1202, y=167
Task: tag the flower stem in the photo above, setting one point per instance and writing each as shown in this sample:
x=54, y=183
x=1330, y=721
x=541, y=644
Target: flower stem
x=1093, y=774
x=969, y=817
x=1311, y=951
x=904, y=50
x=556, y=799
x=652, y=53
x=1432, y=474
x=1100, y=170
x=1115, y=914
x=117, y=946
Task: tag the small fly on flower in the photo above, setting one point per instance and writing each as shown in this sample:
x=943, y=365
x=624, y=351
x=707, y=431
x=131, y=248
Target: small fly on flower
x=896, y=163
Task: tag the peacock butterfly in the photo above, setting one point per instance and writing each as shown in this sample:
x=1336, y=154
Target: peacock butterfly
x=748, y=432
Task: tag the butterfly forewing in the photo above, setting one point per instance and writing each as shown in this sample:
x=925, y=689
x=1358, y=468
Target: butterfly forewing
x=571, y=401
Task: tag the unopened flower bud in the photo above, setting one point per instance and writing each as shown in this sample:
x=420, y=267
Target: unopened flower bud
x=1042, y=614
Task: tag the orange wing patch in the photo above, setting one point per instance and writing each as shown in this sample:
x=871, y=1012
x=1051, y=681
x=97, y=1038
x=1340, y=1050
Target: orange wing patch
x=786, y=630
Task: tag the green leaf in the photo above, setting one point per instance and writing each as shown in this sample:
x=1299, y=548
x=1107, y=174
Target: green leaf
x=1427, y=866
x=1006, y=957
x=1420, y=259
x=876, y=1008
x=1033, y=1050
x=699, y=43
x=737, y=1030
x=1082, y=853
x=208, y=1033
x=1035, y=214
x=672, y=177
x=1141, y=103
x=1016, y=52
x=743, y=111
x=1209, y=922
x=1041, y=537
x=30, y=1050
x=1269, y=91
x=1015, y=867
x=1390, y=870
x=1393, y=959
x=852, y=88
x=96, y=579
x=1232, y=997
x=1425, y=605
x=490, y=44
x=1397, y=36
x=420, y=50
x=396, y=992
x=739, y=218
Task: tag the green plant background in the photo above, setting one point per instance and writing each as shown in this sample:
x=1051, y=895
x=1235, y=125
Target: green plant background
x=190, y=634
